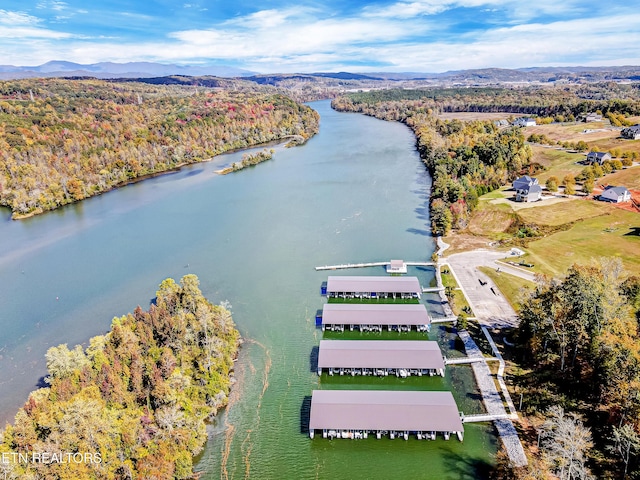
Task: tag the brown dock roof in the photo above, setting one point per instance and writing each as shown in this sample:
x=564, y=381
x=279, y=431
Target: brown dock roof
x=420, y=354
x=384, y=410
x=374, y=314
x=382, y=284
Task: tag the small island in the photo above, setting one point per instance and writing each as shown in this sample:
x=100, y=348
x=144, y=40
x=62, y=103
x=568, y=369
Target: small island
x=248, y=160
x=135, y=402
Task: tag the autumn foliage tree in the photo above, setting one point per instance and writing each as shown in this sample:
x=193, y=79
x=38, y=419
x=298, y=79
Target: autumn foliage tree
x=79, y=138
x=138, y=396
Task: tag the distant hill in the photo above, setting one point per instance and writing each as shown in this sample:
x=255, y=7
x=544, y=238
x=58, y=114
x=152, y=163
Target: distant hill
x=146, y=70
x=103, y=70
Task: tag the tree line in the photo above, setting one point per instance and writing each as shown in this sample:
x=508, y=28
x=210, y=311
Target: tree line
x=65, y=140
x=137, y=398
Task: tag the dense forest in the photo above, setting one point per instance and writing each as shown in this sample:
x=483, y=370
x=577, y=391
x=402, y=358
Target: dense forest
x=134, y=403
x=579, y=337
x=65, y=140
x=567, y=102
x=465, y=159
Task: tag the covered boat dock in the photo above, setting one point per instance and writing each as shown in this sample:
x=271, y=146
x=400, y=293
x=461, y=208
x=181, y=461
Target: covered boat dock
x=356, y=414
x=373, y=287
x=401, y=358
x=368, y=317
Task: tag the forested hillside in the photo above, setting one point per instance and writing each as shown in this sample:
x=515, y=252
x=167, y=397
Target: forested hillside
x=134, y=403
x=65, y=140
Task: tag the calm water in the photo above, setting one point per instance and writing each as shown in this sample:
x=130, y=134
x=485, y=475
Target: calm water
x=357, y=192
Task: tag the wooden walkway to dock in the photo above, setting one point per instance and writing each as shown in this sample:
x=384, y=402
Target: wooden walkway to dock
x=462, y=361
x=372, y=264
x=447, y=319
x=485, y=417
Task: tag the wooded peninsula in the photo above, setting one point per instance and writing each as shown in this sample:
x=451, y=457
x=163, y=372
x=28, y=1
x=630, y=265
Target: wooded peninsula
x=135, y=402
x=65, y=140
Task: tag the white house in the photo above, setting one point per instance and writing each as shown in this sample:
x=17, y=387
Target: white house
x=598, y=157
x=632, y=133
x=593, y=117
x=529, y=194
x=524, y=122
x=615, y=195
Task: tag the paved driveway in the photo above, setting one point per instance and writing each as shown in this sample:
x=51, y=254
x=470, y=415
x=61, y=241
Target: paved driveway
x=488, y=304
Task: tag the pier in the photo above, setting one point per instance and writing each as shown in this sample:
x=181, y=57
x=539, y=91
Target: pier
x=376, y=264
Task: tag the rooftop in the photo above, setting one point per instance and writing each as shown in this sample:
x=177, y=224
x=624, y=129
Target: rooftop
x=373, y=284
x=374, y=314
x=419, y=354
x=384, y=410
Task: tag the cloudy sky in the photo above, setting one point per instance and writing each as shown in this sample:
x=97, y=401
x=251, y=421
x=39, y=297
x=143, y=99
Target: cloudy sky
x=307, y=35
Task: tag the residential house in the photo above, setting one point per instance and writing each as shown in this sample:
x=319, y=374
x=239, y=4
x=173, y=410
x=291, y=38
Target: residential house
x=530, y=194
x=524, y=182
x=615, y=195
x=592, y=117
x=527, y=189
x=524, y=122
x=598, y=157
x=632, y=133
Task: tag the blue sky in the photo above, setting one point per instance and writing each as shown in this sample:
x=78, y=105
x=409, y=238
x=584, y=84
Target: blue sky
x=305, y=36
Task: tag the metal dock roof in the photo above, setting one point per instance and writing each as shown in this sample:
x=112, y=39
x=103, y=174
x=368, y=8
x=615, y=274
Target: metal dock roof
x=384, y=410
x=374, y=314
x=384, y=284
x=420, y=354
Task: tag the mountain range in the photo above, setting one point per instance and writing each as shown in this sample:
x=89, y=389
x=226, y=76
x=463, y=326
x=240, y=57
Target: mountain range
x=131, y=70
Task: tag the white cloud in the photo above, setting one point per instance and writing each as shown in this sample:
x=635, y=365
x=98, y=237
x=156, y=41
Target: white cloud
x=304, y=39
x=17, y=18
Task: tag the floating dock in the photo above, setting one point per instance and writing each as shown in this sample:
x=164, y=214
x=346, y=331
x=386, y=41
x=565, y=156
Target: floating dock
x=372, y=287
x=374, y=317
x=402, y=358
x=357, y=414
x=377, y=264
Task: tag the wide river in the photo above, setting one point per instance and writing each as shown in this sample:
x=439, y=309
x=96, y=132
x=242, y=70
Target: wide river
x=356, y=192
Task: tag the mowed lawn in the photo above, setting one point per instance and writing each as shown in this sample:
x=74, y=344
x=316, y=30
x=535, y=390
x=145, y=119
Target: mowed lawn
x=615, y=233
x=628, y=177
x=557, y=162
x=564, y=212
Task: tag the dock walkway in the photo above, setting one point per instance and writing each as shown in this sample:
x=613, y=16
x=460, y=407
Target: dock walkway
x=493, y=403
x=371, y=264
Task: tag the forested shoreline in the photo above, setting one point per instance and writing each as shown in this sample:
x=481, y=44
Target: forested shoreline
x=464, y=159
x=134, y=403
x=65, y=140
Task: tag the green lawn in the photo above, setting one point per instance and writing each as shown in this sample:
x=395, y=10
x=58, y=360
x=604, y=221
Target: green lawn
x=512, y=287
x=558, y=163
x=564, y=212
x=617, y=233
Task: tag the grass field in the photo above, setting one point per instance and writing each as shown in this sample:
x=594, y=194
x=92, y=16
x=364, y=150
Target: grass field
x=629, y=177
x=510, y=286
x=565, y=212
x=616, y=233
x=558, y=162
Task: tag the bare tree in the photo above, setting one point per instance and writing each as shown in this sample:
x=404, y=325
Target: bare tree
x=626, y=443
x=566, y=444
